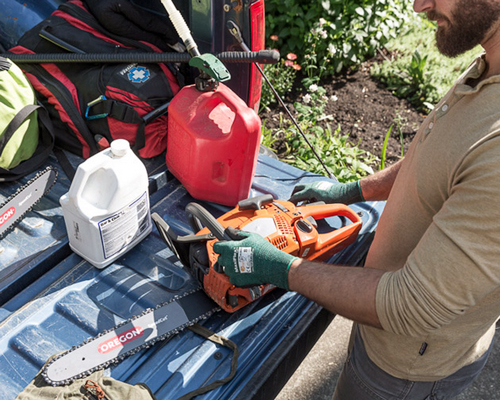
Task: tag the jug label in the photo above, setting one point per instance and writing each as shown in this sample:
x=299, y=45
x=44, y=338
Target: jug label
x=120, y=229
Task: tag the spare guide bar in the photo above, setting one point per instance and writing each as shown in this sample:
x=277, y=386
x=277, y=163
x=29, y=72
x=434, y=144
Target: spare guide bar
x=14, y=208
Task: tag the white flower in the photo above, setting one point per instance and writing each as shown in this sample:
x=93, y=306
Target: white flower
x=331, y=49
x=334, y=98
x=307, y=98
x=313, y=88
x=323, y=34
x=322, y=22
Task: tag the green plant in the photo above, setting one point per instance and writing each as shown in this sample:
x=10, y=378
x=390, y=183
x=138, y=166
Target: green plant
x=345, y=161
x=268, y=137
x=416, y=70
x=313, y=104
x=384, y=148
x=337, y=33
x=281, y=76
x=400, y=122
x=412, y=83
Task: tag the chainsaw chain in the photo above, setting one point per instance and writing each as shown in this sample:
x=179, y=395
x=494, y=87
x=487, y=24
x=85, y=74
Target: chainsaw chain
x=146, y=345
x=19, y=190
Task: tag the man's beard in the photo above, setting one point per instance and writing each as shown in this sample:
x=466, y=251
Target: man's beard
x=471, y=21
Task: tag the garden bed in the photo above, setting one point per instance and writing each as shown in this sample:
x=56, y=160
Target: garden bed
x=364, y=108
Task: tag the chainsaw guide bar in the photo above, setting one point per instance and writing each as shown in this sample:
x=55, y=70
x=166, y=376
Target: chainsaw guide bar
x=129, y=337
x=24, y=199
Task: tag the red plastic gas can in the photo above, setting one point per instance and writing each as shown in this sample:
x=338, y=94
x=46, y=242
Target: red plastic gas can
x=213, y=144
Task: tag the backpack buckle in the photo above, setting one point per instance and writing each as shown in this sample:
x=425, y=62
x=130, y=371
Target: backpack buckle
x=91, y=104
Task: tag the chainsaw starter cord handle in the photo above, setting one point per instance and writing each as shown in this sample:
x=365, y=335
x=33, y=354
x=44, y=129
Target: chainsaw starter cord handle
x=255, y=203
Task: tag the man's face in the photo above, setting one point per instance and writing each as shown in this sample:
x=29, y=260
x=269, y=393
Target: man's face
x=465, y=25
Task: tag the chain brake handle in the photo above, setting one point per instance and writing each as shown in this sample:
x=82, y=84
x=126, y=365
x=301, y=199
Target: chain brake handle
x=179, y=245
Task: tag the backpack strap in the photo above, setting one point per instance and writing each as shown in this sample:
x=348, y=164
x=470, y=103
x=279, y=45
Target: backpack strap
x=104, y=108
x=45, y=145
x=15, y=123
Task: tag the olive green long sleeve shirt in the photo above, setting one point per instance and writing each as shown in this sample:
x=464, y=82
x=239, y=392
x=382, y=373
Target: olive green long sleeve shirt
x=439, y=239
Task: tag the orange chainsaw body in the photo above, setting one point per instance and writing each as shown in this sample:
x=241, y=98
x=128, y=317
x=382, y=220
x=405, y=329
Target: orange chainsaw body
x=288, y=227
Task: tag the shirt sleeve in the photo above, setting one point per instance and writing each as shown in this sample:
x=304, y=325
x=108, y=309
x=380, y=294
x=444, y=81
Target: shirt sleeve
x=457, y=261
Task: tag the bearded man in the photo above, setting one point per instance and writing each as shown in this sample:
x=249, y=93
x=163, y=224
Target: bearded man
x=426, y=302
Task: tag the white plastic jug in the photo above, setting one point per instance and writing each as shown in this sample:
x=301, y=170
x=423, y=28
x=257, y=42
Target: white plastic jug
x=106, y=210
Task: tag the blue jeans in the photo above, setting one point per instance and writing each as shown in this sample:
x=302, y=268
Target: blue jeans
x=361, y=379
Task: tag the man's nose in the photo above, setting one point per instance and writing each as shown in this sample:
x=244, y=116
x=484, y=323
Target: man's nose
x=423, y=5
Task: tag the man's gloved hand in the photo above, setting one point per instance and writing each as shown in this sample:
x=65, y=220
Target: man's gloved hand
x=329, y=192
x=251, y=260
x=122, y=18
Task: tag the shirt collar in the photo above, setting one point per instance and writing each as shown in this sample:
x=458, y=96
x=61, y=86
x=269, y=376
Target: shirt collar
x=474, y=71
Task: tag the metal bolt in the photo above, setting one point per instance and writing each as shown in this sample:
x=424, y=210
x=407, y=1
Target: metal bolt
x=218, y=355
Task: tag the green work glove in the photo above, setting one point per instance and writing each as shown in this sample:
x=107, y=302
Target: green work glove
x=251, y=260
x=329, y=192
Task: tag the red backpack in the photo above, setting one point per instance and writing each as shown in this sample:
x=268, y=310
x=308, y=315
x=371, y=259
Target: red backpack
x=91, y=104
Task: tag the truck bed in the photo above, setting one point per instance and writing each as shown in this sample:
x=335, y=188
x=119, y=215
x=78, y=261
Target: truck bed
x=51, y=299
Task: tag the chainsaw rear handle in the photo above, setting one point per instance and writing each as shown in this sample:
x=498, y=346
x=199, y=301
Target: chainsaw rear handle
x=262, y=57
x=337, y=238
x=320, y=211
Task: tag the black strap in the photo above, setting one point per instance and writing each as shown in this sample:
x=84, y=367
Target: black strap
x=121, y=112
x=220, y=340
x=115, y=109
x=66, y=165
x=15, y=123
x=45, y=144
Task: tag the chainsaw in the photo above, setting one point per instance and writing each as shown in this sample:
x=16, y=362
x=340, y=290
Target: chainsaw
x=290, y=228
x=296, y=230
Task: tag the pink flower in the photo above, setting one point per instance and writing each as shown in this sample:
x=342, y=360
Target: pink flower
x=274, y=38
x=291, y=56
x=297, y=67
x=288, y=63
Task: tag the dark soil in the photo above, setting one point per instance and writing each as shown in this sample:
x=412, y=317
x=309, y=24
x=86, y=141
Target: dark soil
x=365, y=109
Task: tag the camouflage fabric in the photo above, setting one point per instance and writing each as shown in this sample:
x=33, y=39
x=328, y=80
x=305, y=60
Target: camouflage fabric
x=93, y=387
